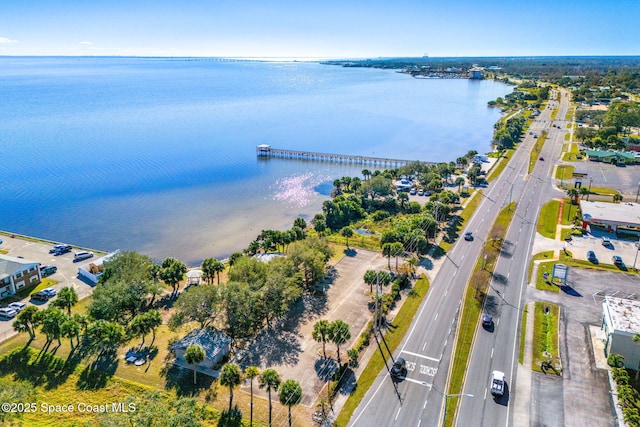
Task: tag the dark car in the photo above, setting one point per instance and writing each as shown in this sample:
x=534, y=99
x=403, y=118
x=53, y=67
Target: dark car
x=591, y=256
x=542, y=158
x=47, y=270
x=62, y=249
x=487, y=321
x=468, y=236
x=399, y=368
x=617, y=261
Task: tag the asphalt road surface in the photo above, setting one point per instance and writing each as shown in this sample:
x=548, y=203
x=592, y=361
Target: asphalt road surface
x=418, y=399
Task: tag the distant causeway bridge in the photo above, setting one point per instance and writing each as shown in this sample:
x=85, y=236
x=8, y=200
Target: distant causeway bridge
x=265, y=150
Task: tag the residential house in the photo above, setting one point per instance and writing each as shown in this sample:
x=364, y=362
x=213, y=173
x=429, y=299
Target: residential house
x=216, y=346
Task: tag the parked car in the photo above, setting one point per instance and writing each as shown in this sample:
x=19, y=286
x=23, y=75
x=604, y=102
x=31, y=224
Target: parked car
x=399, y=368
x=8, y=313
x=468, y=236
x=413, y=191
x=17, y=306
x=421, y=192
x=542, y=158
x=47, y=270
x=606, y=241
x=591, y=256
x=617, y=261
x=82, y=255
x=44, y=294
x=61, y=249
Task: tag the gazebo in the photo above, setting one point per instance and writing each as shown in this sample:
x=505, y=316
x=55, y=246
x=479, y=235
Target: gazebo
x=194, y=277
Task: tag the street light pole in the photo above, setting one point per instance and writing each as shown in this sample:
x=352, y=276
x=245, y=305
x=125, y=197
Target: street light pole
x=637, y=192
x=589, y=193
x=636, y=258
x=446, y=399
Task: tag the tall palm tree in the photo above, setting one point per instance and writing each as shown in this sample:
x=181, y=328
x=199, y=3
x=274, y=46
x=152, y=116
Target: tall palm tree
x=251, y=372
x=290, y=394
x=339, y=334
x=346, y=233
x=320, y=333
x=366, y=173
x=230, y=376
x=218, y=266
x=66, y=299
x=194, y=355
x=270, y=379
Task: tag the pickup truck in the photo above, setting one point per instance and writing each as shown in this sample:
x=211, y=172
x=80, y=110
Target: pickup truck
x=497, y=383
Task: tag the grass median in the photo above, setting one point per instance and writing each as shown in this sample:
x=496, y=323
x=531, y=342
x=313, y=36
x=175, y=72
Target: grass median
x=394, y=337
x=546, y=351
x=473, y=300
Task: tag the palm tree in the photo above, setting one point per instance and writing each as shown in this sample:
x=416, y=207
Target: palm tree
x=70, y=328
x=66, y=299
x=397, y=249
x=366, y=173
x=617, y=198
x=388, y=252
x=321, y=334
x=459, y=182
x=28, y=320
x=230, y=376
x=584, y=191
x=290, y=394
x=339, y=334
x=194, y=355
x=370, y=277
x=207, y=270
x=403, y=198
x=251, y=372
x=218, y=267
x=413, y=262
x=270, y=379
x=346, y=233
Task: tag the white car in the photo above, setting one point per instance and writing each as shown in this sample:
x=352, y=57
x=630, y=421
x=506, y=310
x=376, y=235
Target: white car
x=17, y=306
x=8, y=313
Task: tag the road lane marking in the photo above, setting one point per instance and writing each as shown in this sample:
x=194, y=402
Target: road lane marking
x=419, y=421
x=424, y=345
x=435, y=318
x=420, y=355
x=399, y=409
x=446, y=292
x=492, y=352
x=485, y=393
x=425, y=404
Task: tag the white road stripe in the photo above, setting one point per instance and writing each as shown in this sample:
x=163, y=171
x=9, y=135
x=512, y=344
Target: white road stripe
x=399, y=409
x=420, y=355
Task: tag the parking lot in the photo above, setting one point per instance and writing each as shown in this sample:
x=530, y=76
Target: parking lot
x=628, y=251
x=38, y=251
x=622, y=178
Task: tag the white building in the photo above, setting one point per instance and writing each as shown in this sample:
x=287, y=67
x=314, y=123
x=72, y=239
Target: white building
x=93, y=270
x=16, y=274
x=621, y=322
x=613, y=217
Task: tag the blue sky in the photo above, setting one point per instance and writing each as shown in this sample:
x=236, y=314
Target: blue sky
x=327, y=29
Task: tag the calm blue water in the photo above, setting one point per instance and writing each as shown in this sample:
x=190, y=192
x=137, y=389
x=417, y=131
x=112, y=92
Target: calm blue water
x=158, y=155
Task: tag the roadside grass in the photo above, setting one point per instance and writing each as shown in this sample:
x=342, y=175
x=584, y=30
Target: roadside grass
x=569, y=212
x=572, y=153
x=548, y=219
x=472, y=306
x=500, y=165
x=545, y=337
x=569, y=116
x=567, y=136
x=564, y=172
x=523, y=333
x=547, y=255
x=554, y=114
x=370, y=242
x=393, y=337
x=605, y=265
x=465, y=215
x=545, y=285
x=604, y=191
x=535, y=151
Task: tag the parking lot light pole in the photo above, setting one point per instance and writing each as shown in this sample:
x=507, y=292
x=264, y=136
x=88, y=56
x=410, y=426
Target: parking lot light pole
x=636, y=258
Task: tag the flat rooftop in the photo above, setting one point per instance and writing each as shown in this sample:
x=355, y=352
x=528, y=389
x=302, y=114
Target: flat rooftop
x=624, y=314
x=626, y=213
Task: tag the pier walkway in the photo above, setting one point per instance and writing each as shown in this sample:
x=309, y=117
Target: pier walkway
x=265, y=150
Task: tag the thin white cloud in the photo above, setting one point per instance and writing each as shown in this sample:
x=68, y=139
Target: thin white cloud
x=86, y=43
x=4, y=40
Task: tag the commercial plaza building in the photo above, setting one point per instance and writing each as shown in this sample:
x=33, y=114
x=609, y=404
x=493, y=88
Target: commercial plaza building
x=619, y=218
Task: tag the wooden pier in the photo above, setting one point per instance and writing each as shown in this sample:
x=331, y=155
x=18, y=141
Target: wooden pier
x=265, y=150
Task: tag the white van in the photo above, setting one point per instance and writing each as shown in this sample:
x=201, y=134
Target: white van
x=79, y=256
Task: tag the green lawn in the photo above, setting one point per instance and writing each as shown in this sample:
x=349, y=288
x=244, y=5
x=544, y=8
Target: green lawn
x=545, y=336
x=535, y=151
x=393, y=337
x=548, y=219
x=564, y=172
x=523, y=333
x=569, y=212
x=546, y=285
